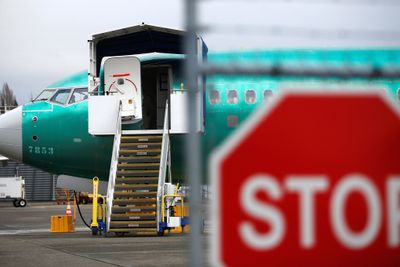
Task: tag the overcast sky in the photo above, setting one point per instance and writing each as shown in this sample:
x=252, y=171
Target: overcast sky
x=45, y=40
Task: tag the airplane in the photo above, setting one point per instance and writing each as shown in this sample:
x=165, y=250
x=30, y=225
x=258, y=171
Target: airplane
x=61, y=132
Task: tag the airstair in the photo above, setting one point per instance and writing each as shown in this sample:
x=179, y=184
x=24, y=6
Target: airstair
x=134, y=68
x=137, y=177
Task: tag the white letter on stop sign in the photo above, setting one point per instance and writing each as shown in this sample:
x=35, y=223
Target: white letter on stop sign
x=261, y=211
x=362, y=185
x=393, y=195
x=307, y=186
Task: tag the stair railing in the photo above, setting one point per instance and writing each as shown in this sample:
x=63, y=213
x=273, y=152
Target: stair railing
x=113, y=166
x=164, y=164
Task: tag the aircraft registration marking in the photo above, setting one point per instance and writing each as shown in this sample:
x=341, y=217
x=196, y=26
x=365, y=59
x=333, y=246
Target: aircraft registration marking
x=41, y=150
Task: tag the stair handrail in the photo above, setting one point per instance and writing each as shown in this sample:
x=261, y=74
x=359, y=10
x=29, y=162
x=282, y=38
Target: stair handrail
x=164, y=163
x=114, y=166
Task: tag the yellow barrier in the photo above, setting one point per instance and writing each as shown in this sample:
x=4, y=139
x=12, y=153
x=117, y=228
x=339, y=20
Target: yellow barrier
x=178, y=211
x=61, y=224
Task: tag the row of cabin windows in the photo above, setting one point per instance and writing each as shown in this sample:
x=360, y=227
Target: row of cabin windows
x=250, y=96
x=233, y=120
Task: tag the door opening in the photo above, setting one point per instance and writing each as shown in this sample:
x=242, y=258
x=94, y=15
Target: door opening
x=156, y=84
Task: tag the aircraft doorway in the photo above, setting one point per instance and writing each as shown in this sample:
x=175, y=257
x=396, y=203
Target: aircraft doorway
x=156, y=83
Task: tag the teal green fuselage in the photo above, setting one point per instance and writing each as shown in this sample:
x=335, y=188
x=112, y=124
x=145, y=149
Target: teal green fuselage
x=64, y=146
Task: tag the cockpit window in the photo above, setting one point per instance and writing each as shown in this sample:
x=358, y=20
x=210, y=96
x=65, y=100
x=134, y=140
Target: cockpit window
x=61, y=96
x=78, y=95
x=44, y=95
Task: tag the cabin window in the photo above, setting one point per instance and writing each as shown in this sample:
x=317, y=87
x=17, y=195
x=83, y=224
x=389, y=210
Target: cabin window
x=267, y=95
x=78, y=95
x=45, y=95
x=250, y=97
x=232, y=120
x=61, y=96
x=214, y=97
x=232, y=97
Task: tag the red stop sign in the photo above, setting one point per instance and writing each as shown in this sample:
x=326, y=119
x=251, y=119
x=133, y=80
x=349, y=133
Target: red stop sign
x=312, y=181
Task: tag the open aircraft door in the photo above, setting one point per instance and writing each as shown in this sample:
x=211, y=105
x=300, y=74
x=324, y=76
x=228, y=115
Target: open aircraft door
x=180, y=97
x=121, y=82
x=122, y=78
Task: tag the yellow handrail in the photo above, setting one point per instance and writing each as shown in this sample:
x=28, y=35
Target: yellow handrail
x=163, y=205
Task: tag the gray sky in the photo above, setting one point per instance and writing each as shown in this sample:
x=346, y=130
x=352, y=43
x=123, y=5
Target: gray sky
x=44, y=40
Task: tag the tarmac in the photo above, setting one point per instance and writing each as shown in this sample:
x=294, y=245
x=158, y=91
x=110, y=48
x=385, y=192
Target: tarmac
x=25, y=240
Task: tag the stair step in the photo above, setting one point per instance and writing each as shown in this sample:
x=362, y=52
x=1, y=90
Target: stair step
x=134, y=216
x=124, y=194
x=140, y=152
x=135, y=231
x=134, y=201
x=141, y=138
x=136, y=180
x=154, y=145
x=133, y=219
x=139, y=159
x=118, y=209
x=136, y=186
x=140, y=173
x=142, y=166
x=137, y=224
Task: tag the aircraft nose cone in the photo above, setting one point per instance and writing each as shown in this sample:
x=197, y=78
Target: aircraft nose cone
x=11, y=134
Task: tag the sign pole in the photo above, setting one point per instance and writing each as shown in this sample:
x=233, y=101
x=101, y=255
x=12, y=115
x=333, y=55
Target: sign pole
x=192, y=145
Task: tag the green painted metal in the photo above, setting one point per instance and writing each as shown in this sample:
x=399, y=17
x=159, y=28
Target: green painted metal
x=91, y=155
x=79, y=79
x=63, y=144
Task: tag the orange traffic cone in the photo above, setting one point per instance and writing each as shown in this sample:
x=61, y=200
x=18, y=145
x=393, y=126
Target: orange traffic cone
x=68, y=212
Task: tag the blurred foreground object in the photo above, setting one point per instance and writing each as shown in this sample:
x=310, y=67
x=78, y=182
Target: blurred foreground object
x=316, y=176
